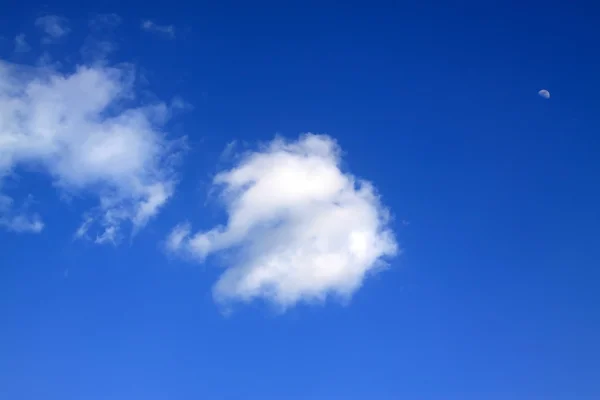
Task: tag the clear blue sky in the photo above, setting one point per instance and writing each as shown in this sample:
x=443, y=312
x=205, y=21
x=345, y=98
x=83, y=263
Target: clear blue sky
x=494, y=193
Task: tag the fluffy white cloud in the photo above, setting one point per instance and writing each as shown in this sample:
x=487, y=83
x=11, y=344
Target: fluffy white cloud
x=151, y=26
x=76, y=128
x=298, y=229
x=53, y=26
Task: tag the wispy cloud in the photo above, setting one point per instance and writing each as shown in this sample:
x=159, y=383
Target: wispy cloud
x=61, y=124
x=298, y=229
x=18, y=220
x=53, y=26
x=101, y=22
x=151, y=26
x=101, y=42
x=21, y=45
x=96, y=50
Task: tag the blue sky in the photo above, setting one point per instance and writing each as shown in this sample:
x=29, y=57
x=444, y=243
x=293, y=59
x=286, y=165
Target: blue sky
x=169, y=230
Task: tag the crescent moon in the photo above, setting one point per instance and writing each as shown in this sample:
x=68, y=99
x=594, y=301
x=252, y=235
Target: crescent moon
x=544, y=93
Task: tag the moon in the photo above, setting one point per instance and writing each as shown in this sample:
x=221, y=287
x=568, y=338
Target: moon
x=544, y=93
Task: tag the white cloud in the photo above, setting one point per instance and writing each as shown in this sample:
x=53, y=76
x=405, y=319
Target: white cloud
x=150, y=26
x=22, y=223
x=53, y=26
x=77, y=128
x=18, y=221
x=21, y=45
x=298, y=227
x=177, y=237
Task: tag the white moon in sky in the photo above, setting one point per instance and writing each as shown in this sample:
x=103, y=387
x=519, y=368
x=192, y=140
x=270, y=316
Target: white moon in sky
x=544, y=93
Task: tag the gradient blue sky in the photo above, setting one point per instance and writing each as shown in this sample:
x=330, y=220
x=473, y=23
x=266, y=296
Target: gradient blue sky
x=495, y=194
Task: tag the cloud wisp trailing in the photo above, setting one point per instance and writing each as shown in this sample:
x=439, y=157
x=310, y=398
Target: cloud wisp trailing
x=151, y=26
x=53, y=26
x=19, y=221
x=79, y=130
x=299, y=228
x=102, y=22
x=21, y=45
x=101, y=43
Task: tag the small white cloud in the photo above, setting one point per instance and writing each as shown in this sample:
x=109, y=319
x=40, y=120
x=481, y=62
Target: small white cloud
x=21, y=45
x=18, y=220
x=108, y=236
x=83, y=229
x=22, y=223
x=79, y=129
x=150, y=26
x=53, y=26
x=298, y=227
x=177, y=237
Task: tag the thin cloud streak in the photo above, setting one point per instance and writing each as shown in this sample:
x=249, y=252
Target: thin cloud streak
x=151, y=26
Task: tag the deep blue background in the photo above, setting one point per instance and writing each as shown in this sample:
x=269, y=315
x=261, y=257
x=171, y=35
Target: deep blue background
x=496, y=294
